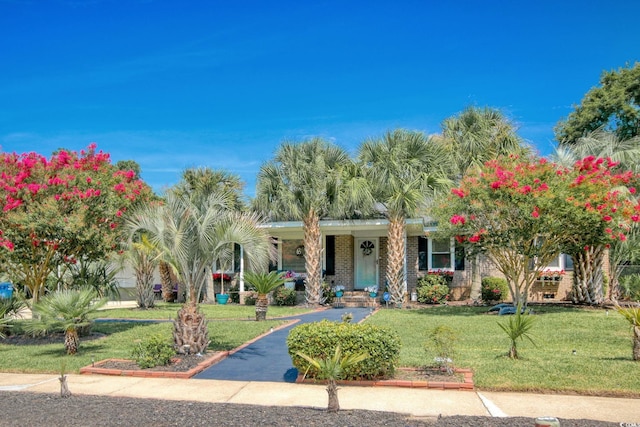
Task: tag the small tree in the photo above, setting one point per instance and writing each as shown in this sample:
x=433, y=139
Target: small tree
x=66, y=310
x=517, y=327
x=442, y=344
x=332, y=369
x=632, y=314
x=263, y=283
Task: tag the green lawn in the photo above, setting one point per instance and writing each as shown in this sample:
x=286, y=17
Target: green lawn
x=165, y=311
x=601, y=365
x=119, y=338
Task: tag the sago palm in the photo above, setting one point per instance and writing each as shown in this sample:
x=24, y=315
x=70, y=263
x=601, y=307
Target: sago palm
x=632, y=314
x=263, y=283
x=405, y=171
x=68, y=311
x=332, y=370
x=307, y=182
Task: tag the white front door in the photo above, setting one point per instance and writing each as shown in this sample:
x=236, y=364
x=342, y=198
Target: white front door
x=366, y=263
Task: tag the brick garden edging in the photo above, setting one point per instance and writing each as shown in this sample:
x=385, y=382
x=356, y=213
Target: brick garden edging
x=149, y=373
x=467, y=384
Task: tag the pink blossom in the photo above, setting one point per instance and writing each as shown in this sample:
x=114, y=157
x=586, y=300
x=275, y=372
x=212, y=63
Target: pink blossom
x=607, y=218
x=475, y=238
x=535, y=213
x=457, y=219
x=458, y=192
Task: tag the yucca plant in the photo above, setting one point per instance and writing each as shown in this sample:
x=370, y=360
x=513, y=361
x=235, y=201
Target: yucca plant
x=517, y=328
x=632, y=314
x=263, y=283
x=332, y=369
x=68, y=311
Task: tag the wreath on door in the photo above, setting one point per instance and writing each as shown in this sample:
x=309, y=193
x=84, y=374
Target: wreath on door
x=300, y=251
x=367, y=247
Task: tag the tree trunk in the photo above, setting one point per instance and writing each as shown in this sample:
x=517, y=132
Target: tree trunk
x=190, y=329
x=513, y=352
x=145, y=298
x=312, y=259
x=71, y=341
x=332, y=390
x=165, y=279
x=588, y=277
x=476, y=281
x=636, y=342
x=262, y=304
x=64, y=387
x=395, y=260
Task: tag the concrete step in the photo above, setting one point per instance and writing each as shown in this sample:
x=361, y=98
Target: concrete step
x=355, y=299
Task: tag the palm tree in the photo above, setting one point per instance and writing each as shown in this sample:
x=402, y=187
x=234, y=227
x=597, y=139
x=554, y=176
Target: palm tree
x=66, y=310
x=143, y=257
x=470, y=139
x=332, y=369
x=632, y=314
x=197, y=184
x=263, y=283
x=310, y=181
x=405, y=171
x=190, y=237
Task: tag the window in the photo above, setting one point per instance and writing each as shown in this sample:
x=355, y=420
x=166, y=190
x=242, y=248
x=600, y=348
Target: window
x=440, y=254
x=293, y=256
x=459, y=258
x=434, y=254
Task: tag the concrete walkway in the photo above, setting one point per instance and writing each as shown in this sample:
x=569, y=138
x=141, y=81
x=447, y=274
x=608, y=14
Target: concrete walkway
x=415, y=402
x=268, y=359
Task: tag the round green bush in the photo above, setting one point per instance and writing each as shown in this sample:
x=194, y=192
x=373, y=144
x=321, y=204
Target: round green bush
x=432, y=289
x=494, y=289
x=320, y=339
x=284, y=296
x=153, y=351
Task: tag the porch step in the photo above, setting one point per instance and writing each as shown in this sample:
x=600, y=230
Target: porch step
x=355, y=299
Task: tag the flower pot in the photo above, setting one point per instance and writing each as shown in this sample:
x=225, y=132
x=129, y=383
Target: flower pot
x=339, y=294
x=373, y=294
x=222, y=298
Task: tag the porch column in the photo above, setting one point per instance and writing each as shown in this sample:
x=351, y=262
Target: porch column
x=404, y=263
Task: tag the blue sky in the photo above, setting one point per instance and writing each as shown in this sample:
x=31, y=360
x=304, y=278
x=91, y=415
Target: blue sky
x=177, y=84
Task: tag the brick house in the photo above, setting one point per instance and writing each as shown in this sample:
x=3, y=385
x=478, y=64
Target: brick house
x=355, y=256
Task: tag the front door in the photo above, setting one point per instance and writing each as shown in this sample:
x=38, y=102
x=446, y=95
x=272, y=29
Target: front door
x=366, y=263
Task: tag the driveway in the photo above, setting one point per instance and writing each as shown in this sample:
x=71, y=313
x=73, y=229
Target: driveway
x=267, y=359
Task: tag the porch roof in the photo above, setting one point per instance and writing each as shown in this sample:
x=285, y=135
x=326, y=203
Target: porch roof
x=357, y=227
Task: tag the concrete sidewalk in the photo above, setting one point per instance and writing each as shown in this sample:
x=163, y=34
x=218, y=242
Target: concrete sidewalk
x=415, y=402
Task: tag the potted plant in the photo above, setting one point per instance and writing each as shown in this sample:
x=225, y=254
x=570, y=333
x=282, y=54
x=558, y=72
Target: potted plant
x=339, y=290
x=373, y=291
x=220, y=276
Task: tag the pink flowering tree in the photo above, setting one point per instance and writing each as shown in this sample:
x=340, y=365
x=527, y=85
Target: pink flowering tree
x=603, y=208
x=522, y=213
x=59, y=210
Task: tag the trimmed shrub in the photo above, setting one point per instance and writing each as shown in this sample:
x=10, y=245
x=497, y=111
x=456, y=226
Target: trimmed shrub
x=153, y=351
x=494, y=289
x=432, y=289
x=284, y=296
x=319, y=340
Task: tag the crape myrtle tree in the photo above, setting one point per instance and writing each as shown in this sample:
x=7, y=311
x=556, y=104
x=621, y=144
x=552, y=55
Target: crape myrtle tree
x=471, y=138
x=309, y=181
x=522, y=213
x=60, y=210
x=626, y=153
x=405, y=171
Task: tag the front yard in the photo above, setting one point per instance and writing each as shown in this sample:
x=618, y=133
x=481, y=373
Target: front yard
x=601, y=365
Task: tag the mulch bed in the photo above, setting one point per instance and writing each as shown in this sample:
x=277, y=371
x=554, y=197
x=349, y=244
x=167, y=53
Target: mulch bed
x=31, y=409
